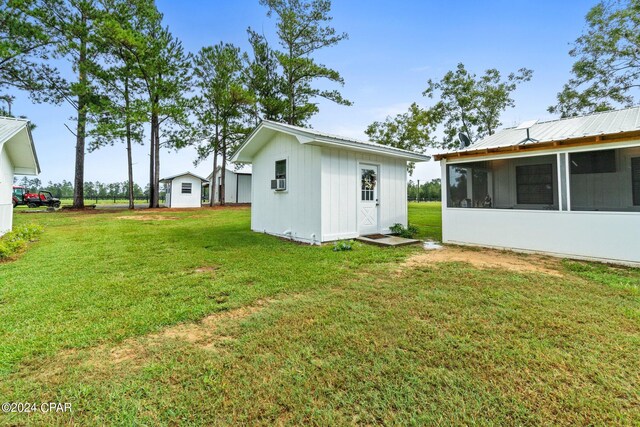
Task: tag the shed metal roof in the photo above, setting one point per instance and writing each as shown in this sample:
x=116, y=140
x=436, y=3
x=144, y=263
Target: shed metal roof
x=592, y=125
x=311, y=136
x=172, y=177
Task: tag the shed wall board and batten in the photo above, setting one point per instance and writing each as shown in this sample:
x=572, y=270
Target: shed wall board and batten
x=295, y=212
x=322, y=200
x=341, y=192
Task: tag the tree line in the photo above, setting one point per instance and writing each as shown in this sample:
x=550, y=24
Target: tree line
x=430, y=190
x=92, y=190
x=132, y=81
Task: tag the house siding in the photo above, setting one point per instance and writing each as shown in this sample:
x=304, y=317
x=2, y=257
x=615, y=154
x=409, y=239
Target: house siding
x=6, y=191
x=607, y=236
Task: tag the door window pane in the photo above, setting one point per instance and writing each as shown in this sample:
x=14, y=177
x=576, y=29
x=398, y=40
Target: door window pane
x=368, y=184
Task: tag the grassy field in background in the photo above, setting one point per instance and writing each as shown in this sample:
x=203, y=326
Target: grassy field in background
x=187, y=317
x=427, y=216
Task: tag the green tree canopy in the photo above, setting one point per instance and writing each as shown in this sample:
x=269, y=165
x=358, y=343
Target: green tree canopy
x=303, y=29
x=163, y=69
x=409, y=131
x=606, y=73
x=23, y=47
x=265, y=81
x=471, y=104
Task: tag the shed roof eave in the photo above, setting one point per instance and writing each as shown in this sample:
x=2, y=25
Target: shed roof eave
x=22, y=152
x=172, y=177
x=309, y=136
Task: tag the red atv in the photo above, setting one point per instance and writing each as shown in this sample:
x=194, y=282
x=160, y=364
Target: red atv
x=18, y=195
x=33, y=200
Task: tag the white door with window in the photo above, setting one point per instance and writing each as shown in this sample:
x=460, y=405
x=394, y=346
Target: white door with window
x=368, y=196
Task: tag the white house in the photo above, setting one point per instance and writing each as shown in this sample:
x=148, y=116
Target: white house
x=315, y=187
x=568, y=187
x=17, y=157
x=183, y=190
x=237, y=185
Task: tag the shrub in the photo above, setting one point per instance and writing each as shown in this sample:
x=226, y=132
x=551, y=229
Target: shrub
x=342, y=245
x=17, y=239
x=408, y=232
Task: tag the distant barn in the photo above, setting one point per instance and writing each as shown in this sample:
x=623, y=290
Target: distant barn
x=237, y=185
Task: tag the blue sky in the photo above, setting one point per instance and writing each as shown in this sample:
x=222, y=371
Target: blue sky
x=392, y=50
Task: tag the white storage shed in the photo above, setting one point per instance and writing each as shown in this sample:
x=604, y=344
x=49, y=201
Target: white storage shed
x=237, y=184
x=568, y=187
x=314, y=187
x=17, y=157
x=183, y=190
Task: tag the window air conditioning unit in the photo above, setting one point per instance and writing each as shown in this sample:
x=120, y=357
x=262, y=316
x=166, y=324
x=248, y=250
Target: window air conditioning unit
x=279, y=184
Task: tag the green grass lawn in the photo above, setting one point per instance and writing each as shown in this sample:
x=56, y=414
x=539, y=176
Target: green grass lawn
x=196, y=320
x=427, y=216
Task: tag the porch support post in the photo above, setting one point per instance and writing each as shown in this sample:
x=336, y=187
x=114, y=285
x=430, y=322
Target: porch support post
x=563, y=184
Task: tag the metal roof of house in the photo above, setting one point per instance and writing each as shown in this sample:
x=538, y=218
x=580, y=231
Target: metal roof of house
x=314, y=137
x=16, y=133
x=172, y=177
x=610, y=123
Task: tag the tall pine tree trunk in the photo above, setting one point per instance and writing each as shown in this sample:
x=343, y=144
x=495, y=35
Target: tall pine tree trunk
x=223, y=168
x=214, y=181
x=212, y=184
x=156, y=169
x=129, y=154
x=81, y=129
x=152, y=162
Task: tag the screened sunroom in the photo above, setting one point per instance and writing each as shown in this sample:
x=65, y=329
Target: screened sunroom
x=568, y=187
x=593, y=180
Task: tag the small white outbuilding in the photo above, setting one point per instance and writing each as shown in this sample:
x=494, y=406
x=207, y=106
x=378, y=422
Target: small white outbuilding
x=314, y=187
x=237, y=184
x=17, y=157
x=183, y=190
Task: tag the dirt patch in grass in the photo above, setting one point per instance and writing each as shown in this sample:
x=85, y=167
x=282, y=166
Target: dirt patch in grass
x=202, y=334
x=149, y=217
x=240, y=206
x=206, y=269
x=488, y=258
x=204, y=331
